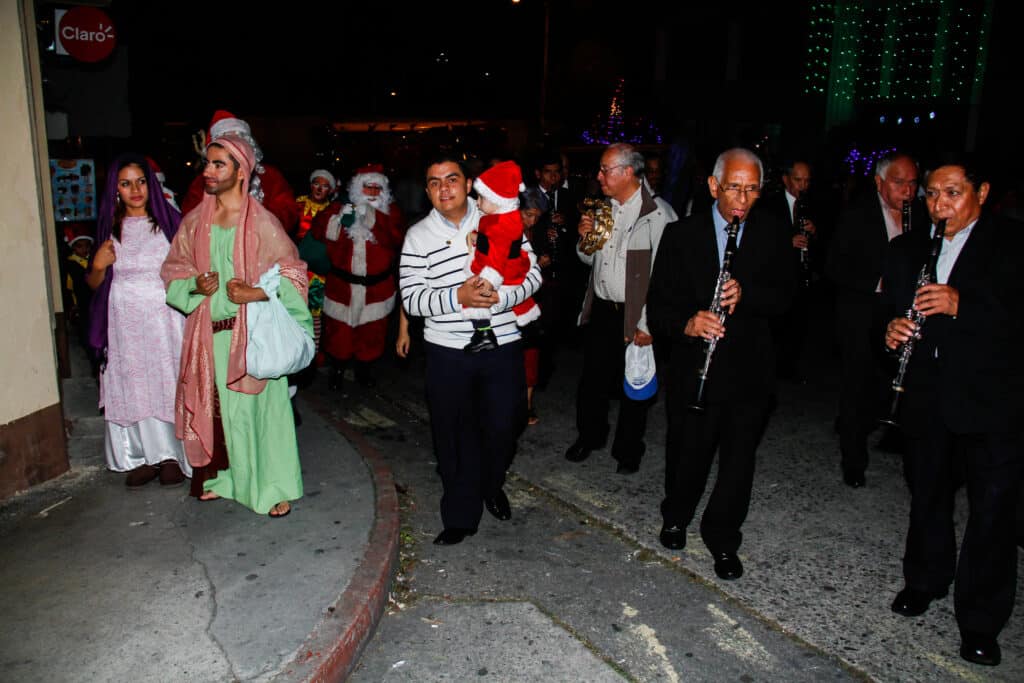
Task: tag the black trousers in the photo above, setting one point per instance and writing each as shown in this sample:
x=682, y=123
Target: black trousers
x=604, y=363
x=477, y=408
x=734, y=428
x=864, y=377
x=789, y=331
x=986, y=573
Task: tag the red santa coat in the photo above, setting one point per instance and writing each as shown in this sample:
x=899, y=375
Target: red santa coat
x=494, y=261
x=278, y=197
x=356, y=312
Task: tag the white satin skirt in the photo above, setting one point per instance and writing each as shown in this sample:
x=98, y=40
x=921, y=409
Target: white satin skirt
x=147, y=442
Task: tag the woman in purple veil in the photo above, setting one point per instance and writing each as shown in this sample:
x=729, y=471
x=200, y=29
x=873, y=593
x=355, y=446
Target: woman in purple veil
x=133, y=331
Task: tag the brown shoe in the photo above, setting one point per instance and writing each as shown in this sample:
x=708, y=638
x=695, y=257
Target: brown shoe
x=170, y=473
x=141, y=475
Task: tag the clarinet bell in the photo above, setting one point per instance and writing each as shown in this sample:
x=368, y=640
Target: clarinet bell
x=699, y=403
x=894, y=408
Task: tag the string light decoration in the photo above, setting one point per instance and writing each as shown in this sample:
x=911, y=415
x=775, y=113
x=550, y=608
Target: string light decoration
x=912, y=52
x=612, y=126
x=863, y=161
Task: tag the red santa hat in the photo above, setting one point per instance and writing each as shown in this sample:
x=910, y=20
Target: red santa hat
x=74, y=232
x=501, y=185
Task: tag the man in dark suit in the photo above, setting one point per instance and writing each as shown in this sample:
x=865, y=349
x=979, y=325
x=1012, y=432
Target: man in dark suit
x=565, y=277
x=742, y=375
x=855, y=266
x=792, y=211
x=962, y=408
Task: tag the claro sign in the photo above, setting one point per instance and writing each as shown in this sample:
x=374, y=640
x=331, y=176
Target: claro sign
x=85, y=33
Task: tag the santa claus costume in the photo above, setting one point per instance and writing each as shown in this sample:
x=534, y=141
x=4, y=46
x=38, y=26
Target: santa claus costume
x=364, y=239
x=498, y=256
x=268, y=185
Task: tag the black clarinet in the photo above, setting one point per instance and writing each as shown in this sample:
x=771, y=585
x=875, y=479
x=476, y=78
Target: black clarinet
x=800, y=220
x=927, y=276
x=905, y=217
x=716, y=307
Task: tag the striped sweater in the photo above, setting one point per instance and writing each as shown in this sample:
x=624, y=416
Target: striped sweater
x=432, y=268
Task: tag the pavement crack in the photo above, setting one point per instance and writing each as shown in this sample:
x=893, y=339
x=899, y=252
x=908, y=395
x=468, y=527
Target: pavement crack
x=211, y=597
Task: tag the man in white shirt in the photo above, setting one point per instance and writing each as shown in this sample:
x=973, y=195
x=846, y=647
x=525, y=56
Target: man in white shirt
x=614, y=309
x=477, y=401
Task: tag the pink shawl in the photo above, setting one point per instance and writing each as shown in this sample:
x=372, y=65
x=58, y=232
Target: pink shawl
x=260, y=242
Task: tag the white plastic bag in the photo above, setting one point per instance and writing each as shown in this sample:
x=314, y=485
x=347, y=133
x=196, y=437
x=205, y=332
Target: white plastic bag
x=277, y=344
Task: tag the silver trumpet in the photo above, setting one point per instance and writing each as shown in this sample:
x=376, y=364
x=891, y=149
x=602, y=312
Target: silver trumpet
x=925, y=277
x=716, y=307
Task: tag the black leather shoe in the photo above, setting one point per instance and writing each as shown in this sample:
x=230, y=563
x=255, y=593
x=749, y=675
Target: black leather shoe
x=980, y=649
x=627, y=468
x=728, y=566
x=855, y=480
x=673, y=537
x=577, y=452
x=482, y=340
x=911, y=602
x=499, y=506
x=453, y=535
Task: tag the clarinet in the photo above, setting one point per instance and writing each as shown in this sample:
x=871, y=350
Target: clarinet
x=716, y=307
x=926, y=277
x=905, y=217
x=800, y=219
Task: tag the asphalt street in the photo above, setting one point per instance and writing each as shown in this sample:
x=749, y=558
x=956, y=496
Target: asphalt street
x=577, y=587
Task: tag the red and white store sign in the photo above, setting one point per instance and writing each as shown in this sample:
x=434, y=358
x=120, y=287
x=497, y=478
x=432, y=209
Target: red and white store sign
x=85, y=33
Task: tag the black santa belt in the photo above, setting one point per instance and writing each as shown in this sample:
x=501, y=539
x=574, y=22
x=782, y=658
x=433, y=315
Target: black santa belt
x=364, y=280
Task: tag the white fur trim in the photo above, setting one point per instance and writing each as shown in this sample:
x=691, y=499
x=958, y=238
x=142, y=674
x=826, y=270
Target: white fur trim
x=358, y=312
x=504, y=204
x=526, y=318
x=334, y=227
x=492, y=276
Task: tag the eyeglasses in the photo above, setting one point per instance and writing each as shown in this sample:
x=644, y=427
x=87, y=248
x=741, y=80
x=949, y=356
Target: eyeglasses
x=900, y=182
x=736, y=189
x=607, y=170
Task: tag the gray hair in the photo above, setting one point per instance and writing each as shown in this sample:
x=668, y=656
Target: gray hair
x=742, y=154
x=885, y=161
x=628, y=156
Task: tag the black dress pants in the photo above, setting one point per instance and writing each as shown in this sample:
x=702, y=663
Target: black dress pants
x=734, y=428
x=863, y=380
x=477, y=407
x=986, y=573
x=604, y=361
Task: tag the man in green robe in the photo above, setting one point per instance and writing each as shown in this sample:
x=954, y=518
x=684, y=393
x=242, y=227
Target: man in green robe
x=238, y=431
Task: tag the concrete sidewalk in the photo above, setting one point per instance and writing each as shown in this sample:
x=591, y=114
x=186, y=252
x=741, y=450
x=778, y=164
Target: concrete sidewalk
x=101, y=583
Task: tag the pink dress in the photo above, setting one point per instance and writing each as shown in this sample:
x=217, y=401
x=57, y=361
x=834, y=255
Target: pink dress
x=143, y=353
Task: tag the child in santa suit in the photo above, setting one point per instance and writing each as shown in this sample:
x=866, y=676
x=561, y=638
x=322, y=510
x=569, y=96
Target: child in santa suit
x=498, y=258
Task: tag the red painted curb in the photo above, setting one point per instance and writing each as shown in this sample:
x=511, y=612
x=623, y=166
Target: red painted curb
x=332, y=650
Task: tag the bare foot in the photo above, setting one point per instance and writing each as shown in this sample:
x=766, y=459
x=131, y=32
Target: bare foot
x=281, y=509
x=208, y=495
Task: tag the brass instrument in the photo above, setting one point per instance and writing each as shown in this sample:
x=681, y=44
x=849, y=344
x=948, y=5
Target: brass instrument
x=716, y=307
x=927, y=276
x=601, y=211
x=800, y=220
